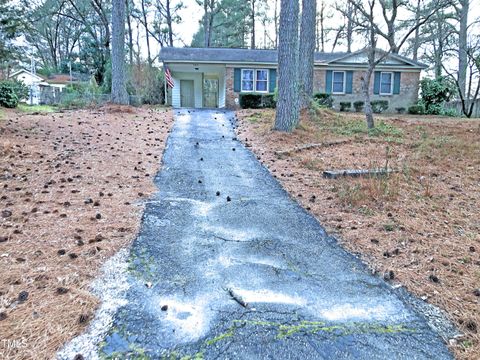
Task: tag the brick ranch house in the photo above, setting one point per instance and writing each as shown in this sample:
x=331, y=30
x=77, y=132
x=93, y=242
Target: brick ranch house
x=215, y=77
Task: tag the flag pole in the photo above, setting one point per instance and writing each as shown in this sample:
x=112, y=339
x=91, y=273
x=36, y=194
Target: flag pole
x=165, y=85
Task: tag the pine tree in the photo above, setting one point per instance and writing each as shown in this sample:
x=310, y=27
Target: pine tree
x=286, y=118
x=119, y=90
x=307, y=51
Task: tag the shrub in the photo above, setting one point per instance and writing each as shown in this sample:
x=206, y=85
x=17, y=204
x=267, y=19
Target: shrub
x=418, y=109
x=257, y=101
x=323, y=100
x=72, y=100
x=275, y=95
x=148, y=83
x=449, y=112
x=20, y=89
x=400, y=110
x=379, y=106
x=8, y=96
x=269, y=101
x=250, y=101
x=434, y=93
x=345, y=105
x=358, y=105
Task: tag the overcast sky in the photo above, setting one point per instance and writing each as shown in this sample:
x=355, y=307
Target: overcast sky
x=192, y=14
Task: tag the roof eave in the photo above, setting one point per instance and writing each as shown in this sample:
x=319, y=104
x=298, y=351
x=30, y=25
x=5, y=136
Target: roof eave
x=318, y=64
x=217, y=62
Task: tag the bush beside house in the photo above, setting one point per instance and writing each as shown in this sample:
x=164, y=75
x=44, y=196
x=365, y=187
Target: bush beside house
x=323, y=99
x=379, y=106
x=345, y=105
x=434, y=94
x=11, y=92
x=257, y=101
x=359, y=105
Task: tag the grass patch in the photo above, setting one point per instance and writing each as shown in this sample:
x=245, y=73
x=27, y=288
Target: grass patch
x=357, y=127
x=36, y=108
x=312, y=164
x=221, y=337
x=389, y=227
x=255, y=118
x=342, y=125
x=362, y=192
x=315, y=327
x=366, y=211
x=436, y=148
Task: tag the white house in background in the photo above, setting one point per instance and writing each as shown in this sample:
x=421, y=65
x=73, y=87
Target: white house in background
x=34, y=82
x=43, y=89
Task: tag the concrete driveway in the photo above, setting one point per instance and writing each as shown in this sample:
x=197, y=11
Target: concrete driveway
x=228, y=266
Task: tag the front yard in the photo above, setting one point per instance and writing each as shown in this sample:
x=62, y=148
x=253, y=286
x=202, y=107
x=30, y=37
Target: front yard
x=419, y=227
x=71, y=190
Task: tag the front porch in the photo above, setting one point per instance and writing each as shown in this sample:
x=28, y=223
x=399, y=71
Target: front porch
x=197, y=86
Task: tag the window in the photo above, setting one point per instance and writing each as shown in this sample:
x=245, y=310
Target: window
x=261, y=83
x=254, y=80
x=338, y=82
x=247, y=79
x=386, y=83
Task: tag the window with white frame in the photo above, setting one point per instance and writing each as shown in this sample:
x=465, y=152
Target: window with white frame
x=386, y=83
x=338, y=82
x=247, y=79
x=261, y=80
x=254, y=80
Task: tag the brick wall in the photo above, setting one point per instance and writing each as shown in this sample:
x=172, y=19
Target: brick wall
x=319, y=80
x=230, y=95
x=407, y=97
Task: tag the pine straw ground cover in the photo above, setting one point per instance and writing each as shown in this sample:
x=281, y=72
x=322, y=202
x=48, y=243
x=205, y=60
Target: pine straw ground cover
x=420, y=227
x=71, y=186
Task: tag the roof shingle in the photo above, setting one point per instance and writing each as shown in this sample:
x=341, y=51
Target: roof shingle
x=232, y=55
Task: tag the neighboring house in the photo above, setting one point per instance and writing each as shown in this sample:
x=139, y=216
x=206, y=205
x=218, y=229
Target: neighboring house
x=34, y=82
x=43, y=90
x=57, y=82
x=215, y=77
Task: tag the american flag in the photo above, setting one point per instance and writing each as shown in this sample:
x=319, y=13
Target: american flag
x=168, y=77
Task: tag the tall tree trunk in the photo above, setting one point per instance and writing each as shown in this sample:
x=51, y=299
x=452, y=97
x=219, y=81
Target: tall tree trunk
x=462, y=45
x=438, y=44
x=206, y=25
x=210, y=22
x=119, y=90
x=307, y=52
x=366, y=80
x=275, y=21
x=286, y=118
x=265, y=33
x=138, y=60
x=416, y=37
x=320, y=28
x=169, y=23
x=252, y=39
x=130, y=32
x=147, y=33
x=349, y=29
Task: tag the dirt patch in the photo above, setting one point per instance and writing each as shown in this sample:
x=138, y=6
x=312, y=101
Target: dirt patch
x=71, y=191
x=419, y=227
